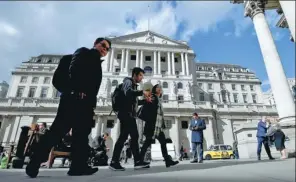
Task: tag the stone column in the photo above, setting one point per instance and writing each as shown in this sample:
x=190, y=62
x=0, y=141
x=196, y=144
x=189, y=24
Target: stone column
x=288, y=8
x=122, y=60
x=169, y=63
x=159, y=63
x=142, y=55
x=112, y=60
x=107, y=62
x=177, y=144
x=210, y=128
x=187, y=63
x=173, y=64
x=277, y=78
x=126, y=60
x=154, y=63
x=138, y=59
x=99, y=123
x=183, y=64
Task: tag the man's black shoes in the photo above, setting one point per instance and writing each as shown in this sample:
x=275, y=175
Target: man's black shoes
x=170, y=163
x=32, y=169
x=141, y=165
x=82, y=171
x=115, y=166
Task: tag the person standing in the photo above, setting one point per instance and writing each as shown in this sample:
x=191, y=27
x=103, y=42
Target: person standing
x=279, y=141
x=152, y=114
x=76, y=110
x=235, y=149
x=127, y=116
x=262, y=139
x=197, y=126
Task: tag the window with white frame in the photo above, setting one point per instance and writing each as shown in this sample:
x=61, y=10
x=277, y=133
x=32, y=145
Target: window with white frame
x=200, y=85
x=245, y=98
x=254, y=98
x=252, y=88
x=201, y=96
x=23, y=79
x=20, y=91
x=210, y=86
x=235, y=98
x=243, y=87
x=35, y=80
x=46, y=80
x=180, y=98
x=43, y=93
x=233, y=86
x=32, y=91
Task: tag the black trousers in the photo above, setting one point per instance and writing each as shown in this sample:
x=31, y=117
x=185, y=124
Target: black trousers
x=74, y=113
x=264, y=141
x=148, y=142
x=128, y=126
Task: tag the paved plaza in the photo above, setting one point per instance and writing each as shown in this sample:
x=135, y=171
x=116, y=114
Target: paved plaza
x=210, y=171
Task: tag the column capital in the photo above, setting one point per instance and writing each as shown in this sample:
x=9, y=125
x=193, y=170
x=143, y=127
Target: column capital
x=253, y=7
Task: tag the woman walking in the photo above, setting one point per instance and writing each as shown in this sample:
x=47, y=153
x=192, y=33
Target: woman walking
x=152, y=114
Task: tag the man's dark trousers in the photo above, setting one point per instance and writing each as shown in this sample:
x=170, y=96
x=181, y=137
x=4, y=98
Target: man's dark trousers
x=264, y=141
x=148, y=142
x=128, y=126
x=197, y=149
x=73, y=112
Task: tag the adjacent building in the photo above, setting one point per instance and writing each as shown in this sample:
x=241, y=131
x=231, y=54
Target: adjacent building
x=3, y=89
x=225, y=95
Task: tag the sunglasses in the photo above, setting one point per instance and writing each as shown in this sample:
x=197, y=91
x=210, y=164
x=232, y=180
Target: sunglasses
x=105, y=46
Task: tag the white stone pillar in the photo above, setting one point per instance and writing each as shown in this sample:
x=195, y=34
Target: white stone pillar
x=126, y=60
x=159, y=63
x=122, y=60
x=112, y=60
x=277, y=78
x=154, y=63
x=288, y=8
x=138, y=58
x=142, y=55
x=177, y=144
x=108, y=62
x=169, y=63
x=210, y=128
x=99, y=128
x=187, y=63
x=183, y=64
x=173, y=64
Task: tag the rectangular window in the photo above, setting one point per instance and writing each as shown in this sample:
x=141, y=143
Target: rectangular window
x=20, y=91
x=252, y=87
x=119, y=56
x=176, y=60
x=35, y=80
x=44, y=91
x=210, y=86
x=23, y=79
x=46, y=80
x=32, y=92
x=181, y=99
x=233, y=86
x=245, y=98
x=197, y=75
x=147, y=58
x=254, y=97
x=162, y=59
x=133, y=57
x=211, y=95
x=200, y=85
x=165, y=98
x=242, y=87
x=201, y=96
x=235, y=98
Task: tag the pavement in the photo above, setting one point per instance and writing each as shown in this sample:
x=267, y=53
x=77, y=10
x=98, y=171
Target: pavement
x=210, y=171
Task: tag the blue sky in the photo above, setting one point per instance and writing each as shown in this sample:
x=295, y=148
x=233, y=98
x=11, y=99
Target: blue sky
x=217, y=31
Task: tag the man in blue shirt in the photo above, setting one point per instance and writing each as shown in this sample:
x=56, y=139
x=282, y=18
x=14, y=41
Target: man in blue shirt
x=197, y=126
x=262, y=139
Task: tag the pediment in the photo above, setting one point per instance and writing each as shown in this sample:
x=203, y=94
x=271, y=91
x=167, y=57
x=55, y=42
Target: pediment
x=148, y=37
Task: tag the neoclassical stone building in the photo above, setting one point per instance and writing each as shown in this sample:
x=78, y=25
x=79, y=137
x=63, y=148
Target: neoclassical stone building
x=226, y=96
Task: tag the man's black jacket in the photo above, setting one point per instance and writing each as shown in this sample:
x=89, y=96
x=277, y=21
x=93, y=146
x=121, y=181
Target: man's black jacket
x=130, y=98
x=86, y=72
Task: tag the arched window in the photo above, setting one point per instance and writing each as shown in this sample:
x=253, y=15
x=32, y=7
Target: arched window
x=114, y=83
x=165, y=85
x=180, y=85
x=38, y=61
x=148, y=69
x=49, y=61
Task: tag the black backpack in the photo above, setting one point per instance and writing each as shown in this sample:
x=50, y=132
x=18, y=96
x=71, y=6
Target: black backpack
x=117, y=98
x=61, y=78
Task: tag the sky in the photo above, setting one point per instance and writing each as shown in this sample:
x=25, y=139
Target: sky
x=217, y=31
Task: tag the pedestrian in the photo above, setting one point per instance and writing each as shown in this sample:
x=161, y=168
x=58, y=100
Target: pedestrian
x=263, y=139
x=279, y=141
x=197, y=125
x=76, y=109
x=152, y=114
x=127, y=116
x=235, y=149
